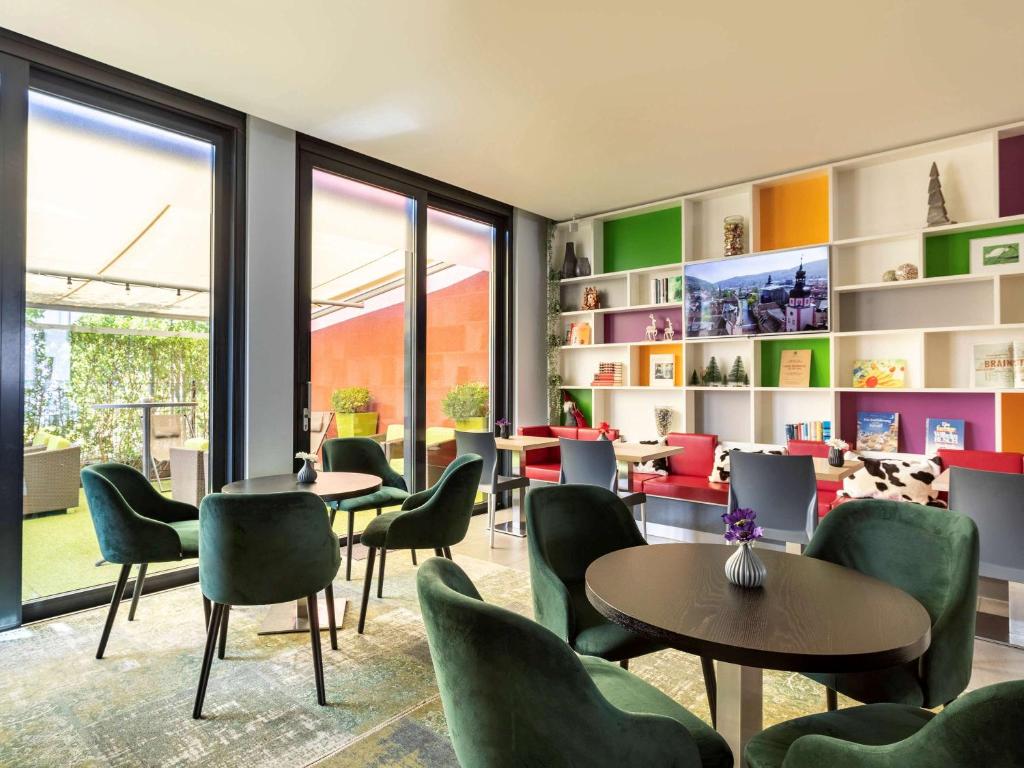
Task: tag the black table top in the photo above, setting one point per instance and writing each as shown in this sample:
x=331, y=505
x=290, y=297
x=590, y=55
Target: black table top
x=329, y=486
x=810, y=615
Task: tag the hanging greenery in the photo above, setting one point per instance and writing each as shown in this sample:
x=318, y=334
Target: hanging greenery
x=554, y=332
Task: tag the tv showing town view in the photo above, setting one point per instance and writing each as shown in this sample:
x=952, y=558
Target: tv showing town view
x=782, y=292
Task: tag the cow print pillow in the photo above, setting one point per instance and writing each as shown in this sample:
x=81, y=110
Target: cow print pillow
x=895, y=479
x=655, y=467
x=720, y=471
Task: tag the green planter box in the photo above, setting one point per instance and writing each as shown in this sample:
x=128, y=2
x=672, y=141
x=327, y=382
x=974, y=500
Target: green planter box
x=356, y=424
x=475, y=424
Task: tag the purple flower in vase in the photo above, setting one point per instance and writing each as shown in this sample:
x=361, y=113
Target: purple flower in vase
x=503, y=423
x=741, y=526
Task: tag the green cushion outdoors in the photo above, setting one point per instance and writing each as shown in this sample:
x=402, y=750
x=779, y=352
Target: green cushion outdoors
x=198, y=443
x=56, y=443
x=631, y=694
x=188, y=534
x=873, y=724
x=597, y=636
x=385, y=497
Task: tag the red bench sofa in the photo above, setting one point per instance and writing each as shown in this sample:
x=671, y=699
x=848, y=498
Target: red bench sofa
x=992, y=461
x=688, y=472
x=545, y=464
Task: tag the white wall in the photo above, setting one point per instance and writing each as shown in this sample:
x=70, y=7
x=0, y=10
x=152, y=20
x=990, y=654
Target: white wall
x=529, y=375
x=270, y=281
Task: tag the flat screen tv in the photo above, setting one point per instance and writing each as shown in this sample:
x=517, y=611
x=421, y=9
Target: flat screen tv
x=780, y=292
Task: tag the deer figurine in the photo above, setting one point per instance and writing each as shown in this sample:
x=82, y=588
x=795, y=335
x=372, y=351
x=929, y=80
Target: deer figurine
x=651, y=331
x=670, y=332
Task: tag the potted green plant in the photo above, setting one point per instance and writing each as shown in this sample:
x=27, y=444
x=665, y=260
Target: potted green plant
x=467, y=405
x=352, y=412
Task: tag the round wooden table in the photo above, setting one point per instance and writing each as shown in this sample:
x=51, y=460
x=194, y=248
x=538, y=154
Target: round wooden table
x=810, y=616
x=329, y=486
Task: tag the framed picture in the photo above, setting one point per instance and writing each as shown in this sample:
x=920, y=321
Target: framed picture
x=663, y=370
x=998, y=254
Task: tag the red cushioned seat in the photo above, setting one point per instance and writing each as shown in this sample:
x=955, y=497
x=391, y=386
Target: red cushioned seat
x=992, y=461
x=826, y=498
x=698, y=456
x=688, y=488
x=545, y=463
x=548, y=472
x=639, y=478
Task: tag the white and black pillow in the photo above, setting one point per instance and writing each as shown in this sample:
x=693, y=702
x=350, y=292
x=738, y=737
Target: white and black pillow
x=720, y=471
x=897, y=479
x=655, y=467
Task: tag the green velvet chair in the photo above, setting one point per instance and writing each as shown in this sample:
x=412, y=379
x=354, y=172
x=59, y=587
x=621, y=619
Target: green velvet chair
x=568, y=527
x=260, y=549
x=135, y=525
x=980, y=729
x=362, y=454
x=930, y=553
x=515, y=695
x=436, y=519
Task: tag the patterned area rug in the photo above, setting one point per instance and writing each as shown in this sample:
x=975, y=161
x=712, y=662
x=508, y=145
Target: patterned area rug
x=60, y=706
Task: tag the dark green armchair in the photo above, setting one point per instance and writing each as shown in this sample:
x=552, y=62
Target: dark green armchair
x=515, y=695
x=930, y=553
x=135, y=525
x=362, y=454
x=981, y=729
x=260, y=549
x=568, y=528
x=436, y=519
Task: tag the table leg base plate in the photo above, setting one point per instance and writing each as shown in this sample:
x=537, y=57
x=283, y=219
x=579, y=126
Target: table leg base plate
x=511, y=529
x=285, y=618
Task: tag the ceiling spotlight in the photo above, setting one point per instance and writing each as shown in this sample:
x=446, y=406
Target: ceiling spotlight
x=69, y=282
x=574, y=225
x=179, y=291
x=127, y=288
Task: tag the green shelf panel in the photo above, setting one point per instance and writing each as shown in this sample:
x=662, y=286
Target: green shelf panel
x=585, y=400
x=644, y=240
x=951, y=254
x=770, y=349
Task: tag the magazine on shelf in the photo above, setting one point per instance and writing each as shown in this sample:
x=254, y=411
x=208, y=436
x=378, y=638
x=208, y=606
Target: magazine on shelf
x=944, y=434
x=878, y=431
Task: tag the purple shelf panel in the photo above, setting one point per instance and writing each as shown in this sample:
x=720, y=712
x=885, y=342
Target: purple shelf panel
x=621, y=327
x=1011, y=176
x=978, y=410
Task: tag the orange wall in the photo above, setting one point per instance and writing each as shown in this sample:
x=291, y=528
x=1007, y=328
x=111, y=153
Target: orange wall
x=1013, y=422
x=367, y=351
x=793, y=213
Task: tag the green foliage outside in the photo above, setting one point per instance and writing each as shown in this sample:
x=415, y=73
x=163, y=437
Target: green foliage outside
x=110, y=367
x=466, y=401
x=350, y=400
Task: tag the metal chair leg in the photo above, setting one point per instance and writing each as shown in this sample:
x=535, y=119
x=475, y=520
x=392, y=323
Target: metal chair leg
x=643, y=519
x=318, y=657
x=204, y=670
x=366, y=588
x=438, y=552
x=206, y=611
x=348, y=545
x=491, y=506
x=380, y=576
x=448, y=553
x=223, y=644
x=139, y=580
x=122, y=581
x=831, y=699
x=413, y=556
x=624, y=664
x=331, y=624
x=707, y=665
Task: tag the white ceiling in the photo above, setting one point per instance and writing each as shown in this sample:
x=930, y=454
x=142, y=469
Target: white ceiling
x=574, y=107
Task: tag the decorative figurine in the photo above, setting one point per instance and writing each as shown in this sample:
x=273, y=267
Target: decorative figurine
x=713, y=376
x=906, y=272
x=889, y=276
x=738, y=373
x=591, y=298
x=694, y=379
x=569, y=262
x=670, y=332
x=937, y=215
x=651, y=331
x=733, y=230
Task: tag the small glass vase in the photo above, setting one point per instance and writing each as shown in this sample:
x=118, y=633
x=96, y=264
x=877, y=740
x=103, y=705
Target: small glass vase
x=307, y=472
x=836, y=457
x=744, y=568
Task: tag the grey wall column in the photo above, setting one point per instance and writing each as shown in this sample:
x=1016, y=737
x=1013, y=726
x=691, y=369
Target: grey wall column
x=529, y=374
x=270, y=278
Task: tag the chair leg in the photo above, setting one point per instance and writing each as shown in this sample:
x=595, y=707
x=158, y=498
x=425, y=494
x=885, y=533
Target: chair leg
x=378, y=511
x=318, y=658
x=380, y=576
x=438, y=552
x=139, y=580
x=348, y=545
x=491, y=506
x=448, y=553
x=222, y=645
x=643, y=520
x=334, y=514
x=331, y=624
x=122, y=580
x=707, y=665
x=204, y=670
x=831, y=699
x=624, y=664
x=413, y=556
x=366, y=588
x=206, y=611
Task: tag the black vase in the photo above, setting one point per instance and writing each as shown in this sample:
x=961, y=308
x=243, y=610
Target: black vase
x=835, y=457
x=582, y=266
x=506, y=430
x=569, y=262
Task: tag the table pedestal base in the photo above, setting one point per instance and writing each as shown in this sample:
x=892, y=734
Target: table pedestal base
x=512, y=528
x=1016, y=613
x=739, y=705
x=285, y=618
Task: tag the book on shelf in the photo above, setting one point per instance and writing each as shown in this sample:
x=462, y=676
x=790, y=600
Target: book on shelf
x=878, y=431
x=661, y=291
x=795, y=368
x=675, y=289
x=579, y=334
x=999, y=366
x=879, y=374
x=945, y=434
x=819, y=431
x=608, y=375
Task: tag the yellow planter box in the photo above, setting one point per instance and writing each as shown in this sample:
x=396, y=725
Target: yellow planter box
x=356, y=424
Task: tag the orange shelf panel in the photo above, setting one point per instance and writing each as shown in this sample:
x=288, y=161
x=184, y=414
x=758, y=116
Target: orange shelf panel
x=1012, y=428
x=793, y=213
x=644, y=362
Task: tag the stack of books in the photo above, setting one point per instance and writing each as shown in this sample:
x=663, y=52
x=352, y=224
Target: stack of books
x=608, y=375
x=810, y=430
x=666, y=290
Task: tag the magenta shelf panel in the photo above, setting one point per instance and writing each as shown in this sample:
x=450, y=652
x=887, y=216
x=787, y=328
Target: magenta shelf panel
x=620, y=327
x=1011, y=176
x=977, y=409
